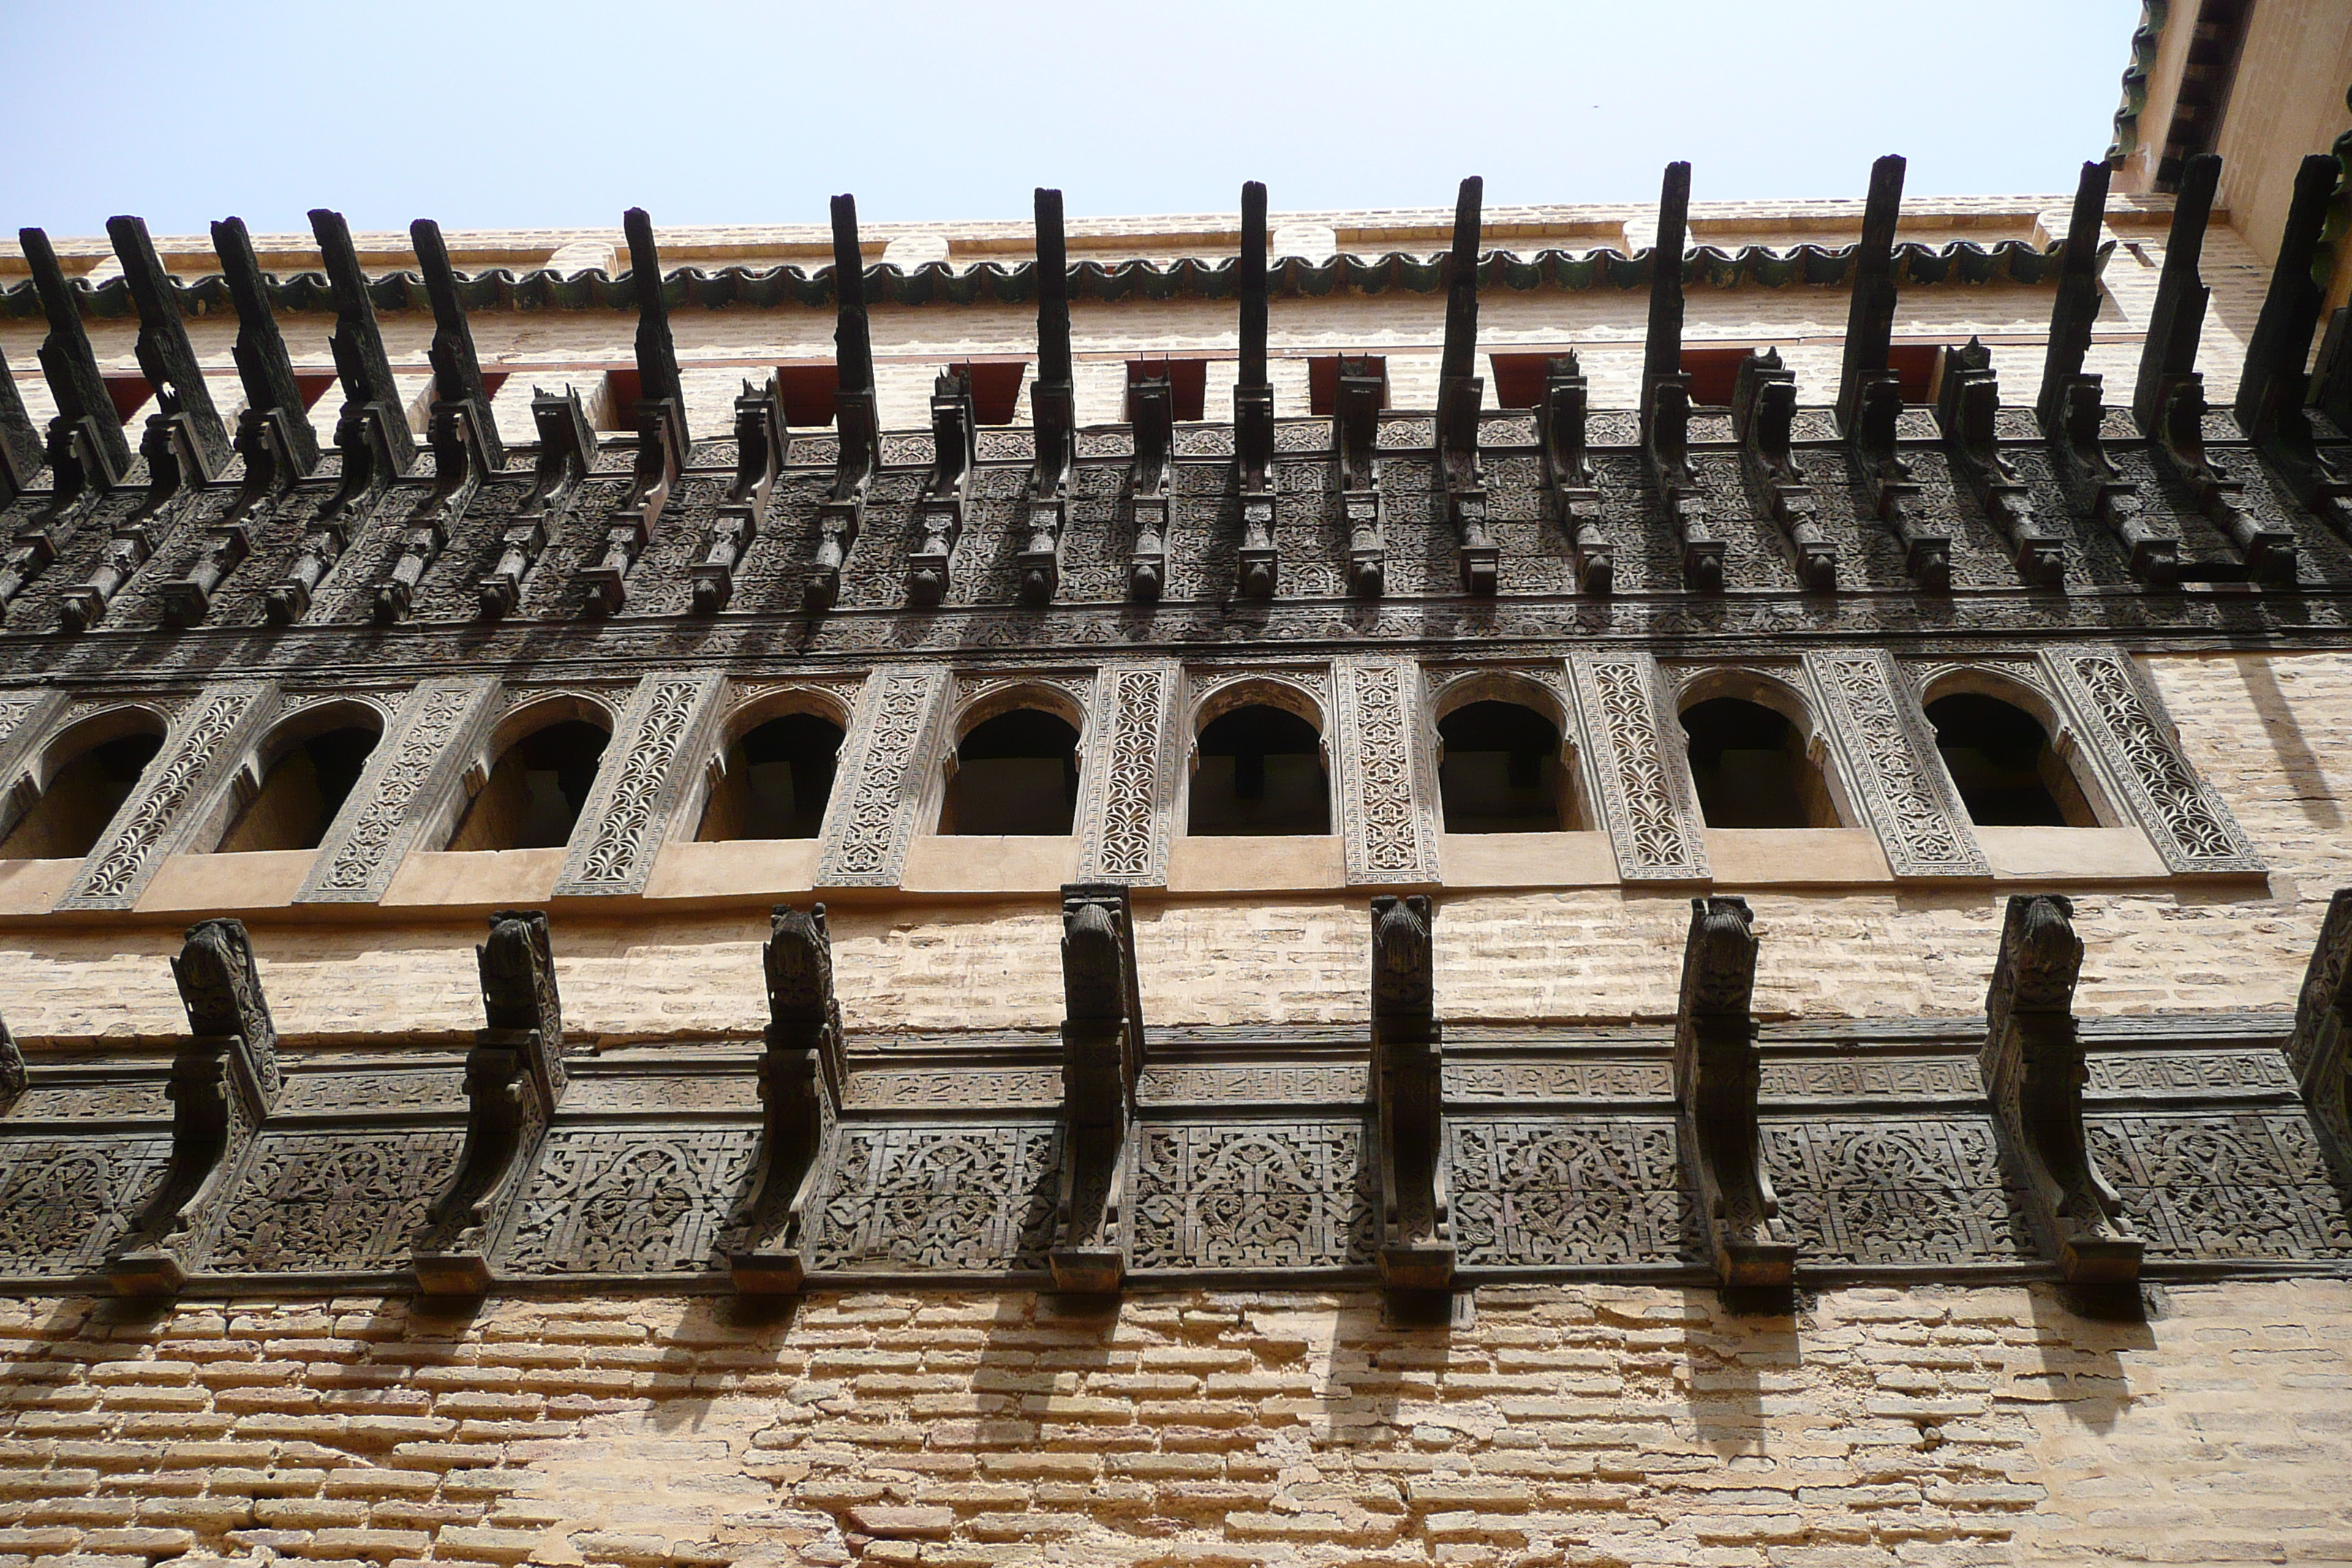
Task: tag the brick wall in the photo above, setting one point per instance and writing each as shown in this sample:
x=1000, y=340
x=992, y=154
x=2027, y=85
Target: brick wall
x=1570, y=1425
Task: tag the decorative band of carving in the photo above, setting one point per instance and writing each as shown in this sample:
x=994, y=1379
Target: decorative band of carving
x=1892, y=764
x=1127, y=828
x=630, y=812
x=867, y=831
x=1645, y=794
x=357, y=866
x=1382, y=790
x=143, y=828
x=2187, y=822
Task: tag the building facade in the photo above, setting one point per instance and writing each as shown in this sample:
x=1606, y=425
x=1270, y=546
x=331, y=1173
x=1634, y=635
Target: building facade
x=1300, y=888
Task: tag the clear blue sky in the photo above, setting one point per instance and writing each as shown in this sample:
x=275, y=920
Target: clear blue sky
x=517, y=112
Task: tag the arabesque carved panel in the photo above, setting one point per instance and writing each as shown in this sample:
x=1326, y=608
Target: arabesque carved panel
x=2252, y=1184
x=1891, y=764
x=1565, y=1191
x=423, y=747
x=1125, y=825
x=1385, y=785
x=1910, y=1192
x=926, y=1198
x=344, y=1200
x=635, y=1201
x=2187, y=822
x=623, y=818
x=1646, y=800
x=884, y=772
x=1253, y=1196
x=146, y=827
x=64, y=1200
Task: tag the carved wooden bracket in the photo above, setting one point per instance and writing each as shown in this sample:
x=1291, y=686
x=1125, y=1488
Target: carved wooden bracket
x=1763, y=406
x=1152, y=411
x=1053, y=409
x=86, y=451
x=939, y=511
x=1416, y=1243
x=1968, y=406
x=801, y=1076
x=1102, y=1056
x=664, y=444
x=1260, y=560
x=224, y=1082
x=567, y=456
x=1716, y=1077
x=2320, y=1050
x=12, y=1068
x=1356, y=473
x=2034, y=1071
x=1459, y=395
x=514, y=1080
x=1568, y=477
x=20, y=443
x=759, y=459
x=2272, y=387
x=1666, y=393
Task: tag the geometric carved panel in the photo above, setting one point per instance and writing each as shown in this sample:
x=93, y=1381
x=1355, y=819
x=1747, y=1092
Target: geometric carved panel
x=1646, y=800
x=964, y=1197
x=884, y=777
x=626, y=815
x=2173, y=1073
x=63, y=1201
x=630, y=1202
x=2205, y=1185
x=1892, y=764
x=1252, y=1195
x=320, y=1200
x=1565, y=1191
x=1870, y=1078
x=1125, y=815
x=1593, y=1077
x=1916, y=1191
x=1385, y=782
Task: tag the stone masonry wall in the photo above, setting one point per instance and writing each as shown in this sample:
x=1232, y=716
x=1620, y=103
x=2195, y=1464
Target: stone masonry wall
x=1586, y=1424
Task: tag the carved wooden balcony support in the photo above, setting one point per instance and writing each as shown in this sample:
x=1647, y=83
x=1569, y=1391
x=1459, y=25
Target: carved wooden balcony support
x=1716, y=1078
x=1102, y=1056
x=20, y=443
x=1459, y=395
x=663, y=443
x=1665, y=394
x=567, y=454
x=947, y=493
x=859, y=451
x=1151, y=413
x=801, y=1077
x=1053, y=409
x=759, y=459
x=1968, y=406
x=514, y=1079
x=1763, y=405
x=184, y=443
x=1572, y=492
x=1869, y=397
x=1416, y=1243
x=1259, y=560
x=224, y=1082
x=371, y=432
x=1356, y=474
x=1886, y=478
x=2034, y=1071
x=12, y=1068
x=2273, y=385
x=464, y=438
x=2319, y=1051
x=86, y=451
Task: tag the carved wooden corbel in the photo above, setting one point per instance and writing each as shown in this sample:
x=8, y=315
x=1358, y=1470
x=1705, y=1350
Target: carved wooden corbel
x=2034, y=1071
x=1152, y=414
x=464, y=438
x=20, y=443
x=1459, y=395
x=858, y=454
x=2273, y=387
x=184, y=444
x=801, y=1074
x=12, y=1070
x=1665, y=394
x=940, y=510
x=1716, y=1078
x=2319, y=1051
x=1053, y=408
x=224, y=1082
x=663, y=444
x=1967, y=407
x=1870, y=395
x=1259, y=560
x=86, y=453
x=514, y=1080
x=1356, y=473
x=1763, y=407
x=759, y=459
x=567, y=456
x=371, y=433
x=1102, y=1056
x=1568, y=477
x=1416, y=1248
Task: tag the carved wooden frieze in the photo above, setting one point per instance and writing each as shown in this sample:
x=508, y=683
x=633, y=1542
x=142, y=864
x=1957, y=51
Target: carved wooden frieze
x=921, y=1199
x=2251, y=1185
x=1259, y=1085
x=1566, y=1192
x=1639, y=772
x=307, y=1200
x=413, y=768
x=951, y=1088
x=661, y=734
x=1890, y=763
x=636, y=1199
x=1254, y=1195
x=2135, y=745
x=2176, y=1075
x=1539, y=1080
x=1130, y=773
x=1907, y=1192
x=1387, y=779
x=50, y=1097
x=884, y=781
x=1842, y=1078
x=208, y=739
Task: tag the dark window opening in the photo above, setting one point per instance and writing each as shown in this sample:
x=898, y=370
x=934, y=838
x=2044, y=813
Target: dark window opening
x=1713, y=372
x=1260, y=771
x=1914, y=365
x=617, y=409
x=301, y=793
x=1520, y=378
x=1751, y=768
x=129, y=393
x=535, y=792
x=995, y=387
x=1323, y=379
x=1188, y=385
x=808, y=393
x=82, y=799
x=312, y=385
x=2002, y=763
x=1016, y=774
x=776, y=782
x=1501, y=772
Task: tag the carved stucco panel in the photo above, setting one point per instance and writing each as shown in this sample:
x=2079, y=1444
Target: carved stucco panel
x=1386, y=777
x=1130, y=774
x=206, y=739
x=1894, y=773
x=889, y=758
x=415, y=765
x=1639, y=772
x=649, y=763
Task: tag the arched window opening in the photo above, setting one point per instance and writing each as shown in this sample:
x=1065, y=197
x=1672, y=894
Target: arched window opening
x=535, y=792
x=1501, y=772
x=1016, y=774
x=1749, y=766
x=82, y=799
x=1260, y=771
x=2001, y=762
x=301, y=793
x=776, y=781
